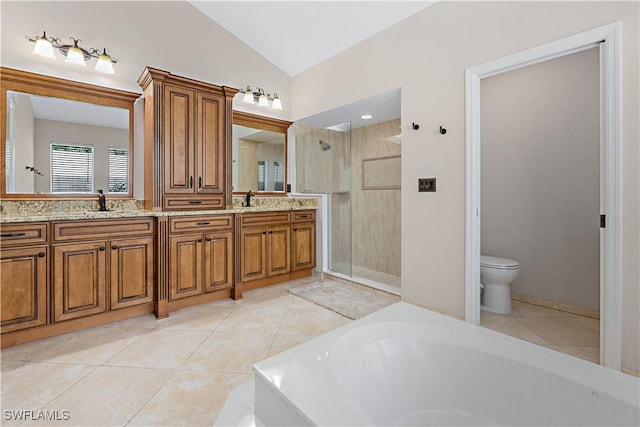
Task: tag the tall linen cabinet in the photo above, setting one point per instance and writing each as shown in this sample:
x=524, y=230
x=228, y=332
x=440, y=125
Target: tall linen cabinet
x=187, y=153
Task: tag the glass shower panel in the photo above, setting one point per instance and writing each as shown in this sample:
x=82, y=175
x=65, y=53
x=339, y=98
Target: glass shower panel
x=323, y=165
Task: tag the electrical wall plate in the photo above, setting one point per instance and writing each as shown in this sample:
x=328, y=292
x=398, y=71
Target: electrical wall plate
x=426, y=185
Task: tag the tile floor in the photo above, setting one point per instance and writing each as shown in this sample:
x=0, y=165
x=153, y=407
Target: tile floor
x=569, y=333
x=180, y=370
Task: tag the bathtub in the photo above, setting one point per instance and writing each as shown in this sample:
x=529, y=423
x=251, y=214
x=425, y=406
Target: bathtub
x=404, y=365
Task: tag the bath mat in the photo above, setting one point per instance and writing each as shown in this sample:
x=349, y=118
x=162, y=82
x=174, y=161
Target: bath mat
x=342, y=298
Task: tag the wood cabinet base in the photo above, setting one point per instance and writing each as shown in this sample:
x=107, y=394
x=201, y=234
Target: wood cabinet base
x=198, y=299
x=31, y=334
x=258, y=283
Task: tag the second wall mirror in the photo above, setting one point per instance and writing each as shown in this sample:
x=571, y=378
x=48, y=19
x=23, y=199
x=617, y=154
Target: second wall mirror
x=259, y=154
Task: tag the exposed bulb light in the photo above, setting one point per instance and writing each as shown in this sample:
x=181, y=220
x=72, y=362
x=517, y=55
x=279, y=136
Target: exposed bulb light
x=366, y=116
x=260, y=97
x=104, y=64
x=73, y=53
x=43, y=47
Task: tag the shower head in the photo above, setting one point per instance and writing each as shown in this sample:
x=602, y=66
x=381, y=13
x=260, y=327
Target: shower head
x=324, y=146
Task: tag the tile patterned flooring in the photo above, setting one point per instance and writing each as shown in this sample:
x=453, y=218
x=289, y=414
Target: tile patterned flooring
x=180, y=370
x=569, y=333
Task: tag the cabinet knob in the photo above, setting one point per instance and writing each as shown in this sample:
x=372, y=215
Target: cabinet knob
x=199, y=240
x=41, y=255
x=209, y=239
x=264, y=232
x=200, y=182
x=102, y=248
x=190, y=182
x=114, y=247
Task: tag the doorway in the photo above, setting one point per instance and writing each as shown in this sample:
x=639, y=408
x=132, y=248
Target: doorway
x=610, y=322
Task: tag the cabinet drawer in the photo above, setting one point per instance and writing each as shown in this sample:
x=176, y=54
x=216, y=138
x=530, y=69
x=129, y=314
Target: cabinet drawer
x=200, y=223
x=26, y=233
x=265, y=218
x=304, y=216
x=182, y=203
x=100, y=229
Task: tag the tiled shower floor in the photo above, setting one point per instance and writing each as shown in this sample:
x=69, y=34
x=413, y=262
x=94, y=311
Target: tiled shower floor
x=180, y=370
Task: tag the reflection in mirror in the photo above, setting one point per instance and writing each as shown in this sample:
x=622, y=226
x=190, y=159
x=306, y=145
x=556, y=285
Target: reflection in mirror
x=61, y=146
x=258, y=159
x=259, y=154
x=63, y=139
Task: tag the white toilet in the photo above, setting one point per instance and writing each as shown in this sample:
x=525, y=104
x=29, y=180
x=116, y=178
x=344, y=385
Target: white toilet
x=496, y=274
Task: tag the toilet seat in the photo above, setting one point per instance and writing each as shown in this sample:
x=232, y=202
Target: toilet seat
x=498, y=263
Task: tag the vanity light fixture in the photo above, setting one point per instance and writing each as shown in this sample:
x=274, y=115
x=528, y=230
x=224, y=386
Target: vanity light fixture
x=73, y=53
x=366, y=116
x=260, y=97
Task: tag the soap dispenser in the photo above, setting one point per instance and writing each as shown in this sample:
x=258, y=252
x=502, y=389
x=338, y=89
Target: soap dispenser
x=249, y=195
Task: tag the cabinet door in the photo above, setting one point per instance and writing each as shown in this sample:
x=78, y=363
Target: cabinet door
x=303, y=246
x=24, y=275
x=278, y=248
x=179, y=144
x=210, y=127
x=253, y=262
x=79, y=280
x=218, y=261
x=185, y=266
x=131, y=272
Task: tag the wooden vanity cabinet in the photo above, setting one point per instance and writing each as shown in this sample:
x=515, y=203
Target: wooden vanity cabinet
x=273, y=247
x=264, y=245
x=187, y=142
x=101, y=265
x=24, y=275
x=200, y=255
x=303, y=240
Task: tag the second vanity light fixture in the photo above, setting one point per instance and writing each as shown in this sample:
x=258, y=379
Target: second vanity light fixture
x=74, y=54
x=260, y=97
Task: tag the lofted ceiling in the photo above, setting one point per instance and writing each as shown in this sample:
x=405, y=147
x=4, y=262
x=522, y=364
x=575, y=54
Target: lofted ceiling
x=296, y=35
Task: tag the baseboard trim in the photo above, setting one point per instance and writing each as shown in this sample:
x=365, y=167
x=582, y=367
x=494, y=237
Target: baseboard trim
x=567, y=308
x=629, y=371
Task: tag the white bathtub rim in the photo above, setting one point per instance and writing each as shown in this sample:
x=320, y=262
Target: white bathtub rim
x=285, y=374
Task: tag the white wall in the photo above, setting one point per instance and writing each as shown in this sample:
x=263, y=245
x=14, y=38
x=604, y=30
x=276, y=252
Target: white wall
x=541, y=176
x=427, y=55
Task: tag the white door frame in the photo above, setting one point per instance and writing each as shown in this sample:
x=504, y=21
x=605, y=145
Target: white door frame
x=610, y=286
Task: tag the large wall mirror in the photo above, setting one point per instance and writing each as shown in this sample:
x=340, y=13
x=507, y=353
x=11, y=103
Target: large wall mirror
x=259, y=158
x=64, y=139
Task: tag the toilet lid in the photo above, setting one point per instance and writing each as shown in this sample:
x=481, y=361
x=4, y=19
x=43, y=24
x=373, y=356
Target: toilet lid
x=495, y=262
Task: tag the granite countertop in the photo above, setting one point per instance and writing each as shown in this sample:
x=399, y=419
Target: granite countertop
x=79, y=212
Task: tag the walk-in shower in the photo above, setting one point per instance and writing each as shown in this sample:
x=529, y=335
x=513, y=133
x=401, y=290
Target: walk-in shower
x=358, y=171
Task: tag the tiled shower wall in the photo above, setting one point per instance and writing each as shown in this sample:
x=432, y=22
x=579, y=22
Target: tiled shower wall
x=374, y=227
x=376, y=213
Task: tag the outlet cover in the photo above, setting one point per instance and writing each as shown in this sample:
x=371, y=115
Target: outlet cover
x=426, y=185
